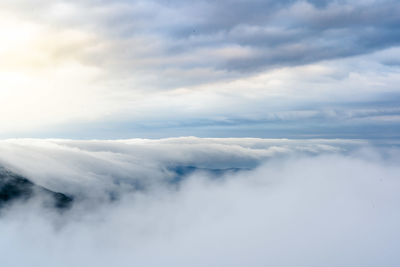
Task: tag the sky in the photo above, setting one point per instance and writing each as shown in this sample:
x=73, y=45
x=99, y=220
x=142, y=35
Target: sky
x=200, y=133
x=96, y=69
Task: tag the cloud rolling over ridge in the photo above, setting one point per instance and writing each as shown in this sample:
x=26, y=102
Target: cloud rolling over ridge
x=296, y=202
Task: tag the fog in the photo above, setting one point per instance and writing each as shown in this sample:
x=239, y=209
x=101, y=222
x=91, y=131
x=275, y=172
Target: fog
x=286, y=203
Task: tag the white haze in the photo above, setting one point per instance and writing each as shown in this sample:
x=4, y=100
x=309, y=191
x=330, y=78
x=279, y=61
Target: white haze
x=297, y=203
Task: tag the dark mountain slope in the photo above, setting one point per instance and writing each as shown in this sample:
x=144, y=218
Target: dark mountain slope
x=14, y=187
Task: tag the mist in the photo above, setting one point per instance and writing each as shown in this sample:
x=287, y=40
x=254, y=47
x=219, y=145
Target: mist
x=271, y=203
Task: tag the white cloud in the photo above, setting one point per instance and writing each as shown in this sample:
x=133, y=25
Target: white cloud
x=323, y=209
x=64, y=165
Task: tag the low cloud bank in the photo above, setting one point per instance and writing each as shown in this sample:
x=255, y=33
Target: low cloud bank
x=93, y=167
x=295, y=203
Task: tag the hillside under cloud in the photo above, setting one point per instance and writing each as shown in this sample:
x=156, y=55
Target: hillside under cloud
x=202, y=202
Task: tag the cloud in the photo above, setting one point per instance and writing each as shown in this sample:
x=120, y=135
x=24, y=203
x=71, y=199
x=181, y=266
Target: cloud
x=154, y=36
x=94, y=167
x=338, y=204
x=78, y=64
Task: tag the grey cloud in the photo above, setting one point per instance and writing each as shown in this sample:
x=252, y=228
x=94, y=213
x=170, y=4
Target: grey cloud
x=141, y=47
x=305, y=33
x=139, y=38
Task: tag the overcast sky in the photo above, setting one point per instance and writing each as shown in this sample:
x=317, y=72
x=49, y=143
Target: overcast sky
x=229, y=68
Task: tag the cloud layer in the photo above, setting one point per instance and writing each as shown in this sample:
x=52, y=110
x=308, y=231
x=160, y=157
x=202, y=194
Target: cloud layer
x=98, y=165
x=235, y=35
x=313, y=203
x=126, y=66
